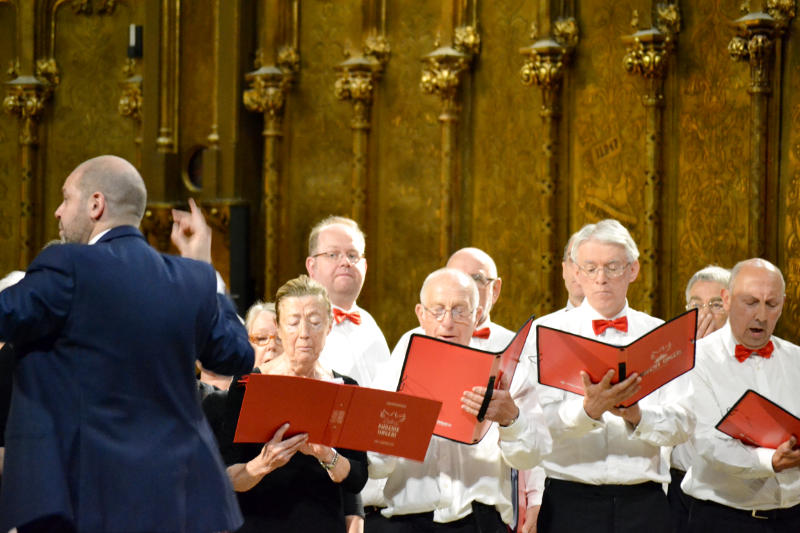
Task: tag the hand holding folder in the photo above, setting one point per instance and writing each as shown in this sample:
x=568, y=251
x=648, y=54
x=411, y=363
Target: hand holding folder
x=333, y=414
x=442, y=371
x=757, y=421
x=657, y=357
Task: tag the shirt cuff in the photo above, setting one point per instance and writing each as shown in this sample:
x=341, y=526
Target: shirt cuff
x=574, y=416
x=765, y=459
x=515, y=429
x=221, y=288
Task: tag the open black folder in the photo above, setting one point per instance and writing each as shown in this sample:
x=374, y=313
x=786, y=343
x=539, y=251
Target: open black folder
x=442, y=371
x=658, y=357
x=335, y=414
x=758, y=421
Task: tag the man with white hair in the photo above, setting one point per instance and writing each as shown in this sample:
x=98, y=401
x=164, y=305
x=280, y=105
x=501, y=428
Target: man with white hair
x=608, y=463
x=460, y=487
x=734, y=486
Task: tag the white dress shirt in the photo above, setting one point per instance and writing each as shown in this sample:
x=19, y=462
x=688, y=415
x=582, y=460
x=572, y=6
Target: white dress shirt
x=358, y=351
x=453, y=475
x=354, y=350
x=610, y=451
x=724, y=469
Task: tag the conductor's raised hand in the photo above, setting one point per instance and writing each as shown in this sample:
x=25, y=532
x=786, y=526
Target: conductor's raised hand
x=603, y=396
x=191, y=234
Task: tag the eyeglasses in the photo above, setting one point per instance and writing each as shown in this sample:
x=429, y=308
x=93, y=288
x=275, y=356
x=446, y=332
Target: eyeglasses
x=482, y=280
x=459, y=313
x=335, y=256
x=715, y=306
x=263, y=340
x=611, y=270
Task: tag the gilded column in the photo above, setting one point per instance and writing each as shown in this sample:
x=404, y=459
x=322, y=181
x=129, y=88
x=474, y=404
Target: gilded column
x=757, y=41
x=25, y=98
x=441, y=76
x=267, y=95
x=130, y=104
x=648, y=55
x=277, y=63
x=545, y=63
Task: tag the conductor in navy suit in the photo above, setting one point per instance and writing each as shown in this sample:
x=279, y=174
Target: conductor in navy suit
x=105, y=431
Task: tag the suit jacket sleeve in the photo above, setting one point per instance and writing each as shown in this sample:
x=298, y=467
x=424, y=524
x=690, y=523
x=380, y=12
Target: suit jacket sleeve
x=37, y=306
x=227, y=350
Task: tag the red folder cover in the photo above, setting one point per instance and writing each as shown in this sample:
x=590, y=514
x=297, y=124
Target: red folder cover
x=658, y=357
x=334, y=414
x=442, y=371
x=758, y=421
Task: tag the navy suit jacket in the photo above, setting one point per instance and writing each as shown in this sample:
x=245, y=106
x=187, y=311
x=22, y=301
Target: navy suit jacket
x=105, y=426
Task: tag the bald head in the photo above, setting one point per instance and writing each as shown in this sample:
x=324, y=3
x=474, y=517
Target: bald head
x=101, y=193
x=754, y=301
x=480, y=266
x=448, y=306
x=119, y=182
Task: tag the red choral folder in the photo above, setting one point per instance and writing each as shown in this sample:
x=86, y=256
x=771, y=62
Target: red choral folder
x=658, y=357
x=442, y=371
x=334, y=414
x=757, y=421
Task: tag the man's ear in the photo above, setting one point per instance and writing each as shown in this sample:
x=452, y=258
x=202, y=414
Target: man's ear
x=634, y=271
x=498, y=284
x=419, y=310
x=310, y=266
x=96, y=204
x=726, y=300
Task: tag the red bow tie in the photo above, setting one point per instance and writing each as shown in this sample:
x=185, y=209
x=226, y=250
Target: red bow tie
x=743, y=353
x=340, y=316
x=599, y=326
x=482, y=333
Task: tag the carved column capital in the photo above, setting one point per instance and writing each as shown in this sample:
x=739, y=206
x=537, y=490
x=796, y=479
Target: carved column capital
x=756, y=34
x=267, y=94
x=130, y=100
x=25, y=98
x=544, y=64
x=648, y=52
x=356, y=83
x=441, y=76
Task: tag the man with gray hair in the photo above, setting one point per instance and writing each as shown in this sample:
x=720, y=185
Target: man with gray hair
x=608, y=462
x=704, y=293
x=735, y=486
x=105, y=431
x=459, y=487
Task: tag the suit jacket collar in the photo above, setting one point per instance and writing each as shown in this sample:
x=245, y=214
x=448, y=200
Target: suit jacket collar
x=120, y=231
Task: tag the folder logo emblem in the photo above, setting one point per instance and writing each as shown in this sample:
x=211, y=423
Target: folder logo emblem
x=389, y=425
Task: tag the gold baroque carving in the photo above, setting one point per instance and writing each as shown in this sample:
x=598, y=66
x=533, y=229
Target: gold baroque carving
x=648, y=53
x=467, y=40
x=289, y=61
x=47, y=69
x=377, y=46
x=86, y=7
x=356, y=83
x=782, y=11
x=25, y=99
x=130, y=102
x=266, y=94
x=441, y=75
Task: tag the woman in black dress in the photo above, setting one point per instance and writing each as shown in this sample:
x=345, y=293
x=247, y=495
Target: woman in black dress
x=290, y=484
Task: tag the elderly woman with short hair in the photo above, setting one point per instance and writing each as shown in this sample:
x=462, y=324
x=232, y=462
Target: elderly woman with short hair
x=288, y=483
